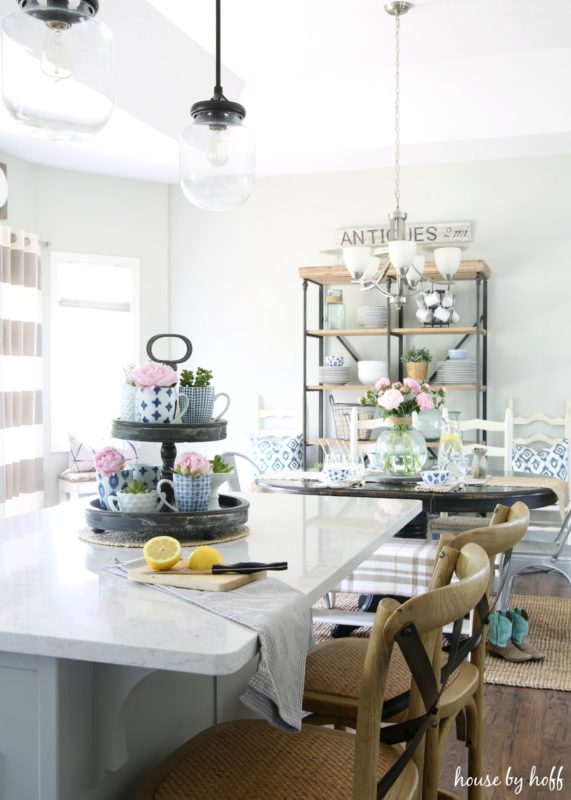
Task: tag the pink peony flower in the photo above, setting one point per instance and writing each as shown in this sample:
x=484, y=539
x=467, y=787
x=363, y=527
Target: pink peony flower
x=192, y=464
x=425, y=401
x=413, y=385
x=108, y=461
x=381, y=383
x=153, y=374
x=391, y=399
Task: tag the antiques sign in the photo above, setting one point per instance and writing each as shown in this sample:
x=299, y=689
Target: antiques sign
x=428, y=233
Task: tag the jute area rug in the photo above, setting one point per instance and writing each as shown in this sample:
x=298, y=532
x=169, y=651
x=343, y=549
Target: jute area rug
x=550, y=633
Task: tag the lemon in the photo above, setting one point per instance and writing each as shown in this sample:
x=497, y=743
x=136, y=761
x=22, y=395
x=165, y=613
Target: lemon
x=162, y=552
x=450, y=437
x=204, y=557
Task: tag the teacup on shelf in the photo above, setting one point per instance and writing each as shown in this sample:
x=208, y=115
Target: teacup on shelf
x=334, y=361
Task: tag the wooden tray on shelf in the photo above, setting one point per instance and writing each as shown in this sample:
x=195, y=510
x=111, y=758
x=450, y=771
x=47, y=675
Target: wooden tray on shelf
x=153, y=432
x=231, y=513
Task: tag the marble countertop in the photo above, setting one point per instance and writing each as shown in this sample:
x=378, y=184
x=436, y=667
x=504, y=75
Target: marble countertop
x=55, y=600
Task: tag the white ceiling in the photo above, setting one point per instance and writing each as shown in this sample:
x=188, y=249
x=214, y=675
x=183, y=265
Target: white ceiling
x=480, y=79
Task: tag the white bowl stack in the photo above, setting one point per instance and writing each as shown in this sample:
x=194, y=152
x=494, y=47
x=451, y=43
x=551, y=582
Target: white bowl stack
x=334, y=375
x=372, y=316
x=369, y=372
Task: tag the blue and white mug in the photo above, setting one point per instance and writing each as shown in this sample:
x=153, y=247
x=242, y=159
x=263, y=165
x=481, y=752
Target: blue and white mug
x=200, y=408
x=148, y=473
x=108, y=485
x=158, y=404
x=190, y=494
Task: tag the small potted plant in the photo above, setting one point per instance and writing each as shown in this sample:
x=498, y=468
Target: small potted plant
x=191, y=483
x=220, y=473
x=416, y=361
x=136, y=497
x=201, y=396
x=157, y=393
x=111, y=474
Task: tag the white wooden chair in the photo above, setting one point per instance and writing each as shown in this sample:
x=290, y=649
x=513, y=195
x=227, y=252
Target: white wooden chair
x=279, y=414
x=540, y=429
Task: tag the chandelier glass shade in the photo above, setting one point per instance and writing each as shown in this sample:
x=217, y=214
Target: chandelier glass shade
x=57, y=67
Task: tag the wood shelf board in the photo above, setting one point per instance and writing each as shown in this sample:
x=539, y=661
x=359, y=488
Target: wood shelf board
x=428, y=331
x=326, y=276
x=348, y=332
x=351, y=387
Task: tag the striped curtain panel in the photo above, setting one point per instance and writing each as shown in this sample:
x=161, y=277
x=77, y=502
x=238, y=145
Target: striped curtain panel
x=21, y=432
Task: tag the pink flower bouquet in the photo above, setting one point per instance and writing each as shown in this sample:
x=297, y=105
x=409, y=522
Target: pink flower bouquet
x=152, y=374
x=192, y=465
x=401, y=399
x=108, y=461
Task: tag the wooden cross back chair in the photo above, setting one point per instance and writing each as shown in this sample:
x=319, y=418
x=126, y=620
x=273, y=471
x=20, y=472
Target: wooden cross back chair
x=254, y=760
x=334, y=667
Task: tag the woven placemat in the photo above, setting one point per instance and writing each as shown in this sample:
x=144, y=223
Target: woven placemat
x=132, y=539
x=549, y=632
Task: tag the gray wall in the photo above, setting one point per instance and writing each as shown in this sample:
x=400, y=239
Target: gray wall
x=86, y=213
x=235, y=288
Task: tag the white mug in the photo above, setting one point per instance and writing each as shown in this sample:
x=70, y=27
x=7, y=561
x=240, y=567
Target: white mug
x=442, y=314
x=432, y=299
x=447, y=300
x=424, y=315
x=127, y=502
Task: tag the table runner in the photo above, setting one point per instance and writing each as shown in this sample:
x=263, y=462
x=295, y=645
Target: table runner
x=281, y=616
x=557, y=485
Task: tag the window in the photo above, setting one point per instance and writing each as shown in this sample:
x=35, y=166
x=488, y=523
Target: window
x=94, y=335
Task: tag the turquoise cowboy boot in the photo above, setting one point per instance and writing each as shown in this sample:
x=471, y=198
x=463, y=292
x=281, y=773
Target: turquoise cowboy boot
x=500, y=642
x=520, y=631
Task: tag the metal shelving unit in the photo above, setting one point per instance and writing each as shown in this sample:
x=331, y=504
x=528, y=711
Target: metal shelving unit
x=320, y=277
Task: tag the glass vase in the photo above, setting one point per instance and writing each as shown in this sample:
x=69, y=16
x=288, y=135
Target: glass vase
x=401, y=450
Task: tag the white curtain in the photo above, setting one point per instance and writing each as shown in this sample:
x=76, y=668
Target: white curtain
x=21, y=436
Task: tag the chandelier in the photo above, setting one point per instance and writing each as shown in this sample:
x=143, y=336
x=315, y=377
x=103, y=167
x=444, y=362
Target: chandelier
x=402, y=257
x=217, y=152
x=57, y=67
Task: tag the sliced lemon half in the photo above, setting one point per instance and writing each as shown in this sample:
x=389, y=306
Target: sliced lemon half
x=162, y=552
x=204, y=557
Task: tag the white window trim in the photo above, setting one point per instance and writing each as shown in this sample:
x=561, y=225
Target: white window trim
x=58, y=257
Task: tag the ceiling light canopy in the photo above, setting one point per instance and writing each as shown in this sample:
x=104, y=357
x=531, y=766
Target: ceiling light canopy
x=217, y=152
x=57, y=67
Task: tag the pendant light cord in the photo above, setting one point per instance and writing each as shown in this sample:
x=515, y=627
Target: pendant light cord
x=218, y=93
x=397, y=111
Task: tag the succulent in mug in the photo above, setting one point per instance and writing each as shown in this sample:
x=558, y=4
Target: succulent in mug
x=219, y=465
x=202, y=378
x=137, y=487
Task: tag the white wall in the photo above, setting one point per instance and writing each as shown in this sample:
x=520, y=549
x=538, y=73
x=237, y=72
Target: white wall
x=235, y=289
x=86, y=213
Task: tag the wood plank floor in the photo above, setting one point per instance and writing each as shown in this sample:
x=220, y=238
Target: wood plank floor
x=523, y=727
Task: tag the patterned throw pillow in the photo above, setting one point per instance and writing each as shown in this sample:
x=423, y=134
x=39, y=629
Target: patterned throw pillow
x=551, y=461
x=276, y=453
x=81, y=452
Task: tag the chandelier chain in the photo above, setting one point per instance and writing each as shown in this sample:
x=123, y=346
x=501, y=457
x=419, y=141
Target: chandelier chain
x=397, y=111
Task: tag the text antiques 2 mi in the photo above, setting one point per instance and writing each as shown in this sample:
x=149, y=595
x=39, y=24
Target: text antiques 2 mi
x=428, y=233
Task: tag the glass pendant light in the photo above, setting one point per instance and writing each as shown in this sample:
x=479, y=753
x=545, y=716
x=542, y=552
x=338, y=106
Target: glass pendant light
x=217, y=152
x=57, y=67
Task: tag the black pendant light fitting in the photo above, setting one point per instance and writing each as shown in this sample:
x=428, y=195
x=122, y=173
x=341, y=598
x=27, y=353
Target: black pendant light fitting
x=218, y=112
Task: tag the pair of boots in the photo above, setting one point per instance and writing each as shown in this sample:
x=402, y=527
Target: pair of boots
x=507, y=635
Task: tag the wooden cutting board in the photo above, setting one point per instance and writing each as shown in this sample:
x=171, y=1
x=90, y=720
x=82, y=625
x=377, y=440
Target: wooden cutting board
x=183, y=578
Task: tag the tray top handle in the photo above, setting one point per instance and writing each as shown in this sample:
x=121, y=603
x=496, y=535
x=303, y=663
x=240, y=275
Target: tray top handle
x=174, y=362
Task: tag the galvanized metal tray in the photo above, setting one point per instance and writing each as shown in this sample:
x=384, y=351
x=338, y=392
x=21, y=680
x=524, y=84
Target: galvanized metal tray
x=230, y=513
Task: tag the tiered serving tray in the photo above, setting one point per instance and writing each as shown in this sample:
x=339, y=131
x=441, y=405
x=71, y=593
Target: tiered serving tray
x=214, y=523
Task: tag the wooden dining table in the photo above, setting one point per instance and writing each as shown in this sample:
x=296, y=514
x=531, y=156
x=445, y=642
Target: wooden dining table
x=474, y=499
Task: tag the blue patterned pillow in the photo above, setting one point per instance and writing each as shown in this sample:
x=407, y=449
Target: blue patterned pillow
x=276, y=453
x=551, y=461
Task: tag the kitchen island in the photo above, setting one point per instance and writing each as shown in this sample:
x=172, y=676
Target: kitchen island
x=101, y=678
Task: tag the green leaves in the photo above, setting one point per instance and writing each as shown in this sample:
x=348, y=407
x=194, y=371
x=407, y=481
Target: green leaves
x=201, y=379
x=219, y=465
x=137, y=487
x=416, y=355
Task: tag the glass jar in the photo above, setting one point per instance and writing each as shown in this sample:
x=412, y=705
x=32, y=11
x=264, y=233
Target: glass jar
x=334, y=310
x=401, y=450
x=450, y=450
